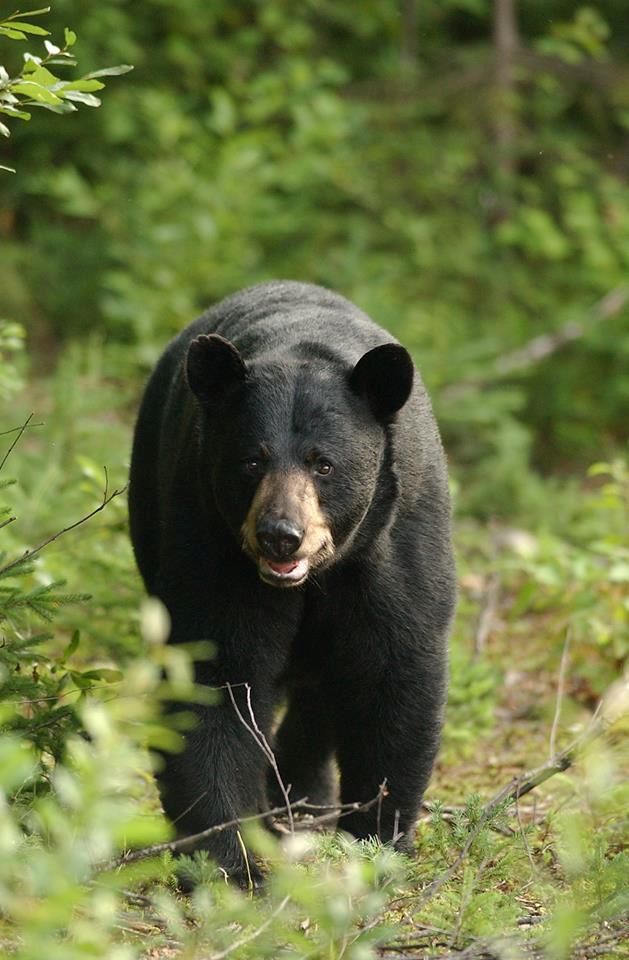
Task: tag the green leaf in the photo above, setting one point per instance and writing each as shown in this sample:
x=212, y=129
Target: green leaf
x=70, y=37
x=31, y=64
x=80, y=680
x=72, y=646
x=30, y=28
x=8, y=169
x=85, y=98
x=103, y=673
x=39, y=74
x=35, y=91
x=13, y=112
x=86, y=86
x=4, y=130
x=109, y=71
x=12, y=34
x=62, y=107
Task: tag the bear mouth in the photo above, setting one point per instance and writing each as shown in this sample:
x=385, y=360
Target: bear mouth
x=286, y=573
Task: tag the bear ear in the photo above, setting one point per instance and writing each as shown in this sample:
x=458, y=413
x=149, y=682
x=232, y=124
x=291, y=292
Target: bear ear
x=212, y=363
x=384, y=378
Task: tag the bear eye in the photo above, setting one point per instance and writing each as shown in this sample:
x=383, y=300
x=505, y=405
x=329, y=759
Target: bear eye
x=254, y=465
x=324, y=468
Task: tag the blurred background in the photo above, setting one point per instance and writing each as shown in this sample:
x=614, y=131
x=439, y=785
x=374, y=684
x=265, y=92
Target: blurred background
x=459, y=169
x=456, y=167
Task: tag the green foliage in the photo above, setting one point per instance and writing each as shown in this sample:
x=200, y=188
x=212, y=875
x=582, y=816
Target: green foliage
x=582, y=576
x=35, y=85
x=331, y=143
x=77, y=791
x=11, y=344
x=53, y=898
x=314, y=143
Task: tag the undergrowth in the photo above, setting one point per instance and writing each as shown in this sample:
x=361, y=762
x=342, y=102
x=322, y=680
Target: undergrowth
x=540, y=636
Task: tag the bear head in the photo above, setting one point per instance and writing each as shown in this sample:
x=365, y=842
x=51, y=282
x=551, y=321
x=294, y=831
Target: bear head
x=292, y=447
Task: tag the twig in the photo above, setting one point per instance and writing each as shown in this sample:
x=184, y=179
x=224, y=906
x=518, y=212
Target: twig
x=5, y=433
x=251, y=936
x=245, y=857
x=263, y=743
x=20, y=431
x=381, y=796
x=487, y=614
x=523, y=835
x=29, y=554
x=5, y=523
x=560, y=691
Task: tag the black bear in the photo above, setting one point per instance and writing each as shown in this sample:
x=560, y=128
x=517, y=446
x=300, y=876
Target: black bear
x=289, y=503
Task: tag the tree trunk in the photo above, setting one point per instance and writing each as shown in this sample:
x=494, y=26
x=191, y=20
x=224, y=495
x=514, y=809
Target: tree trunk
x=506, y=42
x=408, y=39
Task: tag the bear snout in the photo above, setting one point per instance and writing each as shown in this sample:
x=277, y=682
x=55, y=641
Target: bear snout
x=285, y=532
x=278, y=539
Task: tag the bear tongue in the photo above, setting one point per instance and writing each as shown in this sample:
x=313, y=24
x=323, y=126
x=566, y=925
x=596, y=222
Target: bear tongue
x=282, y=567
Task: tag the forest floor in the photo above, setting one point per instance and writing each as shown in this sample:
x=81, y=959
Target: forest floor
x=507, y=866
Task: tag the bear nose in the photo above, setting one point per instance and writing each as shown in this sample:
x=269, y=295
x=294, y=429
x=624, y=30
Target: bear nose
x=278, y=539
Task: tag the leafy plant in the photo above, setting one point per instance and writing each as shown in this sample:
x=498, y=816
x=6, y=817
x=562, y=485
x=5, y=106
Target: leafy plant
x=35, y=85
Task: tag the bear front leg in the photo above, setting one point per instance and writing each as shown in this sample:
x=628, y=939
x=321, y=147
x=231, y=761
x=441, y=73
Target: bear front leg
x=218, y=777
x=388, y=734
x=304, y=748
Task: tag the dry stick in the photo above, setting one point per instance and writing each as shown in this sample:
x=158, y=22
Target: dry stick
x=487, y=614
x=523, y=835
x=251, y=936
x=560, y=691
x=30, y=554
x=263, y=743
x=511, y=793
x=184, y=844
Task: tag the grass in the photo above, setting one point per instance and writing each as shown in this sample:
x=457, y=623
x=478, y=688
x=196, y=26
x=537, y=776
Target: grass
x=539, y=638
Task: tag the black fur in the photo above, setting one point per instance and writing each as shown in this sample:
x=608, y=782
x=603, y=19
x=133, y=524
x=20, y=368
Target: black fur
x=359, y=649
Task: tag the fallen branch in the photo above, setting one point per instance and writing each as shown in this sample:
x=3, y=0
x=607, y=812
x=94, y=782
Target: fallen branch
x=185, y=844
x=511, y=793
x=593, y=944
x=543, y=346
x=540, y=347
